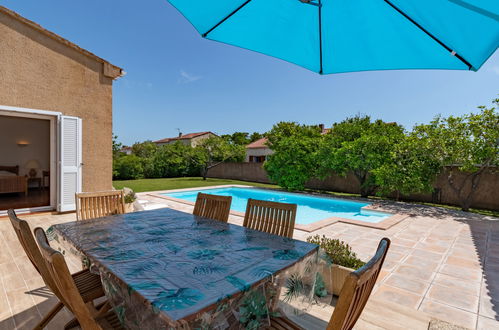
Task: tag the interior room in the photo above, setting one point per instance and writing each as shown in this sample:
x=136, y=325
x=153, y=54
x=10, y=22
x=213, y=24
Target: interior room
x=24, y=162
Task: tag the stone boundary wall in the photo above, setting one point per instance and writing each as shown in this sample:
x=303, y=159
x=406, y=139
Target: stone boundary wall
x=486, y=197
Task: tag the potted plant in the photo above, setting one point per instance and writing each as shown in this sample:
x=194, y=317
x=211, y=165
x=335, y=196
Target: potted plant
x=339, y=259
x=130, y=197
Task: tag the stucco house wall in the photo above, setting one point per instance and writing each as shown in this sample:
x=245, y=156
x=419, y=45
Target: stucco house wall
x=41, y=70
x=198, y=139
x=186, y=139
x=257, y=148
x=255, y=152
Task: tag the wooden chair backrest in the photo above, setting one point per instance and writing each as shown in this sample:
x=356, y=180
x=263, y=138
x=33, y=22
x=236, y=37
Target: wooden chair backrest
x=357, y=289
x=93, y=205
x=25, y=237
x=58, y=270
x=271, y=217
x=27, y=240
x=213, y=206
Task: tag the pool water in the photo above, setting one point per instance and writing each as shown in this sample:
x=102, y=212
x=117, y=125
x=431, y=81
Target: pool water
x=310, y=208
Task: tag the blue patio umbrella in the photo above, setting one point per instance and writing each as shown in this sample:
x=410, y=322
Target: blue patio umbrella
x=333, y=36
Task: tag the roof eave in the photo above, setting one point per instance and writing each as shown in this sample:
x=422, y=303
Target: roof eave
x=109, y=70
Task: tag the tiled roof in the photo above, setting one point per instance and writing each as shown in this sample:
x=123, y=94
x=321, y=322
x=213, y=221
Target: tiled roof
x=119, y=71
x=183, y=137
x=261, y=143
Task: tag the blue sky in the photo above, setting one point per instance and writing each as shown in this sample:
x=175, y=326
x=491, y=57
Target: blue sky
x=176, y=79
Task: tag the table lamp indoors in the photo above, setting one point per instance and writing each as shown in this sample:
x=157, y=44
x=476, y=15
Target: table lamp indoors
x=33, y=165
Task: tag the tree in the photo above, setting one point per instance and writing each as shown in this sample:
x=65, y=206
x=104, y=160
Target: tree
x=469, y=143
x=215, y=150
x=172, y=160
x=359, y=146
x=117, y=146
x=144, y=149
x=255, y=136
x=410, y=169
x=294, y=161
x=128, y=167
x=242, y=138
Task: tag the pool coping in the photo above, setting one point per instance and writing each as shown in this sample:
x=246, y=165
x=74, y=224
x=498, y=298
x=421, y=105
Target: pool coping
x=382, y=225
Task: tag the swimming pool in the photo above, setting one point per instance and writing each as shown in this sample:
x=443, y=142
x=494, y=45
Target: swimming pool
x=310, y=208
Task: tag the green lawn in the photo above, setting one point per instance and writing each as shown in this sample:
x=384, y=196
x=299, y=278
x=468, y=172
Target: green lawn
x=179, y=183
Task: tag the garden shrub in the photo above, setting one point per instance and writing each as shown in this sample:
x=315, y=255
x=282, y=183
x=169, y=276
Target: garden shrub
x=129, y=195
x=173, y=160
x=339, y=252
x=294, y=160
x=128, y=167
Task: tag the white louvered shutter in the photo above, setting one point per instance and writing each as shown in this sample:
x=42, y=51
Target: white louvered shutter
x=70, y=162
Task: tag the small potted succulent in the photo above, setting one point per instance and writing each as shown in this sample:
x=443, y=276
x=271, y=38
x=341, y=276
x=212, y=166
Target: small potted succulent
x=130, y=197
x=339, y=259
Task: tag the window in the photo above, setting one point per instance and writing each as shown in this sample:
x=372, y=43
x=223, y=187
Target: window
x=257, y=159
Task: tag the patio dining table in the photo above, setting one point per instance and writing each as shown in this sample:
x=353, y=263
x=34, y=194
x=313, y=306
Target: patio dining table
x=167, y=269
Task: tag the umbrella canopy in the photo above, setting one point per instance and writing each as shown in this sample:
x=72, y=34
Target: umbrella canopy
x=332, y=36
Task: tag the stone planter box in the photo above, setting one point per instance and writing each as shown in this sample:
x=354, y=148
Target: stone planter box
x=129, y=207
x=334, y=276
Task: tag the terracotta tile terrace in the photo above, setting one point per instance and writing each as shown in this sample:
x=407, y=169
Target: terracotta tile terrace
x=441, y=265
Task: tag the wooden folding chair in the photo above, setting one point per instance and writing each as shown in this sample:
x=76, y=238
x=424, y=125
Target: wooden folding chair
x=353, y=296
x=88, y=284
x=213, y=206
x=86, y=314
x=93, y=205
x=270, y=217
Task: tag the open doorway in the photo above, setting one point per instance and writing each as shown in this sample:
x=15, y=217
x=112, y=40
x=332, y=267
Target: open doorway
x=40, y=160
x=25, y=162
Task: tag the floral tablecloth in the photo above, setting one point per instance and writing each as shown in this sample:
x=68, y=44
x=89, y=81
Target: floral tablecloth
x=166, y=269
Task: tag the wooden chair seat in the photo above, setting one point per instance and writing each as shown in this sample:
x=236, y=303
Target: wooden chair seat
x=88, y=284
x=110, y=321
x=90, y=288
x=89, y=316
x=283, y=323
x=353, y=296
x=107, y=321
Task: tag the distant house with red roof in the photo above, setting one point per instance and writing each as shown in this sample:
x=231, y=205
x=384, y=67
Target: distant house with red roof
x=191, y=139
x=126, y=150
x=258, y=151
